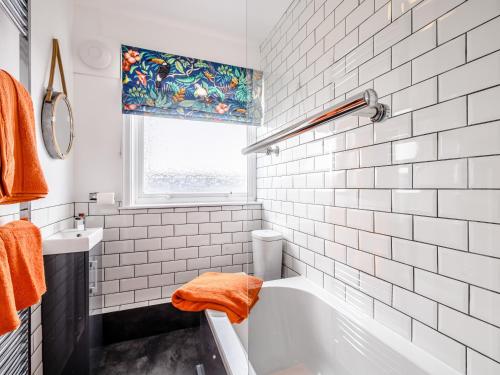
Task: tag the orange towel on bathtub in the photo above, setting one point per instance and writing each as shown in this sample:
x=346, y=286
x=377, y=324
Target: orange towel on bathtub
x=232, y=293
x=23, y=245
x=21, y=176
x=9, y=320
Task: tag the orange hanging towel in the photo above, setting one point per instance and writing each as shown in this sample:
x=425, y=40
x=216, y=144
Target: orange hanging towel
x=232, y=293
x=23, y=244
x=9, y=320
x=21, y=176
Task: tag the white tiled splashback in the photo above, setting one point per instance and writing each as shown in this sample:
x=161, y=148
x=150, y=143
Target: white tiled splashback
x=400, y=218
x=50, y=220
x=148, y=253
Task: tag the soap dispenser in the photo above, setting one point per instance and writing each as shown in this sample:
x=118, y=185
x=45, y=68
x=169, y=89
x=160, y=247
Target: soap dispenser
x=80, y=221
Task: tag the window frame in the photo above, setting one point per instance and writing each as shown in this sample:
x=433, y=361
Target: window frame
x=133, y=163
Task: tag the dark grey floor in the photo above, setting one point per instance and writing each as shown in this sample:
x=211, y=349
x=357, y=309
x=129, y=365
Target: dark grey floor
x=176, y=352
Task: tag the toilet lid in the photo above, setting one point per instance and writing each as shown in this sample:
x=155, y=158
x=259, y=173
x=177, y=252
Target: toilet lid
x=266, y=235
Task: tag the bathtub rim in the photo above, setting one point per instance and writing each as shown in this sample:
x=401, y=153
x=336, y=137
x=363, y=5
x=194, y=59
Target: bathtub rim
x=233, y=351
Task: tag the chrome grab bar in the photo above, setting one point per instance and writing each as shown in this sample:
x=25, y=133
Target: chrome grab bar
x=364, y=104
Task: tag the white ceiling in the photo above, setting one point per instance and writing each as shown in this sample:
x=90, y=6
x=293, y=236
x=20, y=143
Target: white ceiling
x=250, y=20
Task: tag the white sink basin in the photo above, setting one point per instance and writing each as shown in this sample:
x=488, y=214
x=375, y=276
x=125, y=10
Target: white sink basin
x=72, y=241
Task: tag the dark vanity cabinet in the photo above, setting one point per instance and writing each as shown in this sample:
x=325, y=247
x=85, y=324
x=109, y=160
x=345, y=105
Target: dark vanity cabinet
x=65, y=314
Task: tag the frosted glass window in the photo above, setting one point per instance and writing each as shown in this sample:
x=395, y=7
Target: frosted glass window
x=193, y=157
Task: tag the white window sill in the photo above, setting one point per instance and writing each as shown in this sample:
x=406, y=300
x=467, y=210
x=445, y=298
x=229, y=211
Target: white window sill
x=190, y=204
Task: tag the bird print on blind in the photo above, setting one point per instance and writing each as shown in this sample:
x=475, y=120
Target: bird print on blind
x=163, y=84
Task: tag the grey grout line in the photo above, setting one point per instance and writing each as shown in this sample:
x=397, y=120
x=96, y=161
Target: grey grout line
x=416, y=57
x=426, y=297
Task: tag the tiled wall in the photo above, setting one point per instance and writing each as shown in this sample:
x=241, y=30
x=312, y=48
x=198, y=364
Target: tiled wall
x=399, y=218
x=49, y=220
x=148, y=253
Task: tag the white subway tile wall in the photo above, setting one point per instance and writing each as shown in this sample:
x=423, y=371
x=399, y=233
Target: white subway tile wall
x=148, y=253
x=50, y=220
x=399, y=218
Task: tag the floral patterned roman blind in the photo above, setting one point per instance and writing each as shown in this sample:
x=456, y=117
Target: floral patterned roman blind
x=162, y=84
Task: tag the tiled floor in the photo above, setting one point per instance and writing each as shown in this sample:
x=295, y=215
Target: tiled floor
x=176, y=352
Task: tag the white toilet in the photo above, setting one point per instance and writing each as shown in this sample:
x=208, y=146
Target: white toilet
x=267, y=254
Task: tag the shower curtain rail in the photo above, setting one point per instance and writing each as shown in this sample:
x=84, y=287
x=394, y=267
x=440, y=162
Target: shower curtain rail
x=364, y=104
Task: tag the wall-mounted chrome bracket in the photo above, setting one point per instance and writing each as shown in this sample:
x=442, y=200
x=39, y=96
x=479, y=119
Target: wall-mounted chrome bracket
x=383, y=112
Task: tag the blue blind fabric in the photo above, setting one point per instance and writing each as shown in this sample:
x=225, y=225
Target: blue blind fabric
x=162, y=84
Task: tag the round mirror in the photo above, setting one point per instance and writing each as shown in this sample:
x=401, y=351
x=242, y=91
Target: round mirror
x=57, y=125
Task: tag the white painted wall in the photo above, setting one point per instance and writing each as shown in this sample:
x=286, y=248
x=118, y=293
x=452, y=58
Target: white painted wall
x=98, y=163
x=59, y=173
x=9, y=42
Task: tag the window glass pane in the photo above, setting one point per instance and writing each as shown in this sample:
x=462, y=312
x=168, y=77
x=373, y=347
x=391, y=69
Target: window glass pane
x=182, y=156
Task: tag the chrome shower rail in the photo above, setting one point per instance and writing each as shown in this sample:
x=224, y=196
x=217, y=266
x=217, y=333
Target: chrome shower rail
x=364, y=104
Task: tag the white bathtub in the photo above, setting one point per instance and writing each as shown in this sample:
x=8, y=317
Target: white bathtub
x=299, y=328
